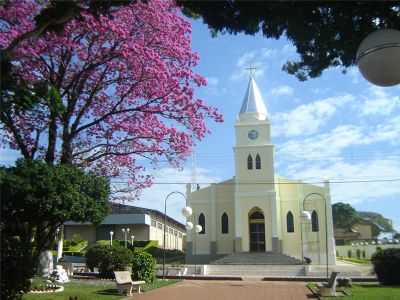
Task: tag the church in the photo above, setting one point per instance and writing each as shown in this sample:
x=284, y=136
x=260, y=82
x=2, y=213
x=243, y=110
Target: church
x=257, y=210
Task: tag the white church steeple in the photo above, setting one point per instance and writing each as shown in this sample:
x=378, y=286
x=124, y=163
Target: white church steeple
x=253, y=103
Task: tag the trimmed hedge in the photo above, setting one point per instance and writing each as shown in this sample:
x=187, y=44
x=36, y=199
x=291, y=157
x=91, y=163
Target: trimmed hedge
x=387, y=266
x=108, y=259
x=143, y=266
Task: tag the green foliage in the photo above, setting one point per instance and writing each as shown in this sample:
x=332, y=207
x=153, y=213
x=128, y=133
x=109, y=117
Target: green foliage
x=387, y=266
x=377, y=219
x=325, y=33
x=344, y=215
x=76, y=239
x=108, y=259
x=143, y=267
x=36, y=200
x=170, y=255
x=349, y=254
x=358, y=253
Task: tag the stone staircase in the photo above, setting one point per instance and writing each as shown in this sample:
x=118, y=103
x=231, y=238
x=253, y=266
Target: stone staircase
x=265, y=264
x=255, y=271
x=258, y=258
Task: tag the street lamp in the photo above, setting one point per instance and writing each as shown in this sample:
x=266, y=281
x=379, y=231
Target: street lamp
x=197, y=229
x=326, y=226
x=305, y=217
x=186, y=212
x=125, y=231
x=132, y=238
x=111, y=236
x=378, y=57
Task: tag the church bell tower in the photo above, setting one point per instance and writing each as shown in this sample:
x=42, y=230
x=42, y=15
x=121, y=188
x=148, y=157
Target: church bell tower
x=254, y=176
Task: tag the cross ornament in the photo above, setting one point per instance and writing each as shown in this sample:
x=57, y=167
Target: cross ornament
x=252, y=70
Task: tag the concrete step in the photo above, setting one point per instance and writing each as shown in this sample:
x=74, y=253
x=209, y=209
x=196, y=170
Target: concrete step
x=255, y=270
x=264, y=258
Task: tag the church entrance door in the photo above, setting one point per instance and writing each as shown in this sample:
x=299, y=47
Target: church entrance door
x=257, y=231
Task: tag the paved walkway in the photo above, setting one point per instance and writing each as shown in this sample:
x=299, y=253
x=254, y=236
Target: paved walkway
x=232, y=290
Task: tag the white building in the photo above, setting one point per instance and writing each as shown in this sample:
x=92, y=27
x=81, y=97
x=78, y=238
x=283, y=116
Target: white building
x=256, y=210
x=144, y=224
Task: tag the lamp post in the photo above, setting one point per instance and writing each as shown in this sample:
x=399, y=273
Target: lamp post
x=132, y=238
x=125, y=231
x=306, y=216
x=186, y=212
x=326, y=226
x=378, y=57
x=111, y=236
x=197, y=229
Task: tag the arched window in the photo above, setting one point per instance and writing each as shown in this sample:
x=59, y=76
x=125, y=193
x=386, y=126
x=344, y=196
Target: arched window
x=249, y=162
x=258, y=162
x=202, y=222
x=289, y=222
x=224, y=223
x=314, y=221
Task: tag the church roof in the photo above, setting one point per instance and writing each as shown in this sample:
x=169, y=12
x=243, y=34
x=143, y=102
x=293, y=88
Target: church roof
x=253, y=101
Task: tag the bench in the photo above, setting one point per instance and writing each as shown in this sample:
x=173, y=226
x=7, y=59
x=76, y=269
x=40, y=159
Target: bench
x=329, y=289
x=125, y=284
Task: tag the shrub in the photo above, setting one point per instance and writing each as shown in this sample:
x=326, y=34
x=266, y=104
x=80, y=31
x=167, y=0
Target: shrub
x=108, y=259
x=358, y=252
x=76, y=239
x=143, y=266
x=349, y=253
x=171, y=255
x=387, y=266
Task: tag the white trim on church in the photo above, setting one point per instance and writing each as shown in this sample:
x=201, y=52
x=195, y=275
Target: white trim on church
x=256, y=210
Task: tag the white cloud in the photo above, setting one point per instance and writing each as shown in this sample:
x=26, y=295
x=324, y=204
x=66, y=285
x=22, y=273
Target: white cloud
x=354, y=192
x=212, y=81
x=378, y=102
x=307, y=119
x=174, y=180
x=355, y=75
x=282, y=90
x=325, y=145
x=330, y=145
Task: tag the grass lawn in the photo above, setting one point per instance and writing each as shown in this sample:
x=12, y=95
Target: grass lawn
x=367, y=292
x=356, y=260
x=86, y=291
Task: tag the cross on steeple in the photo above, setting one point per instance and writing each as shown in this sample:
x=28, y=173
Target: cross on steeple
x=252, y=70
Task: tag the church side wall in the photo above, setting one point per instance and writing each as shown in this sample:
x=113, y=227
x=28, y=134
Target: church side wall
x=289, y=202
x=225, y=204
x=200, y=203
x=315, y=242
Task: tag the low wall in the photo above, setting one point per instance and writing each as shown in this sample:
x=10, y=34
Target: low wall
x=368, y=249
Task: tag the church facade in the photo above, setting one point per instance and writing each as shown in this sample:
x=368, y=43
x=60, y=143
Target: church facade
x=257, y=210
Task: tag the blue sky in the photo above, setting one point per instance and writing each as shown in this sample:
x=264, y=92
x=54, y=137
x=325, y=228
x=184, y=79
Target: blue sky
x=336, y=126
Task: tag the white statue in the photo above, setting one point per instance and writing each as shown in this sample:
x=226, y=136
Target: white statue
x=60, y=274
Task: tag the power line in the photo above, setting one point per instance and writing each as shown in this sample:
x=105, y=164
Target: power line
x=270, y=182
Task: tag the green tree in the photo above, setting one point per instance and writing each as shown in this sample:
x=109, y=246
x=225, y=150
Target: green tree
x=325, y=33
x=344, y=215
x=384, y=225
x=36, y=199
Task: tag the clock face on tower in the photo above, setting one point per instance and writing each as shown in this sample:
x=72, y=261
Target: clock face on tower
x=253, y=134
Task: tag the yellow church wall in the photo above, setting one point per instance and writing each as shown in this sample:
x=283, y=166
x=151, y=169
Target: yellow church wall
x=225, y=203
x=242, y=129
x=253, y=180
x=289, y=197
x=200, y=203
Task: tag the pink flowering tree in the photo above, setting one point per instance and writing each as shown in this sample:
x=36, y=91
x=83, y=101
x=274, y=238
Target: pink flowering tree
x=111, y=92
